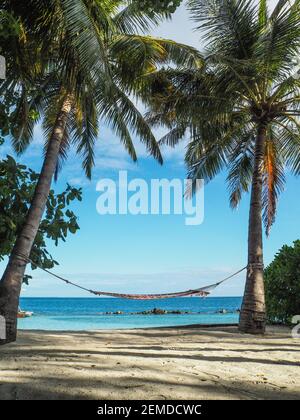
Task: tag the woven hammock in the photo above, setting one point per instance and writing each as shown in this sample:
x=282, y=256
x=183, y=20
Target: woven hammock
x=197, y=292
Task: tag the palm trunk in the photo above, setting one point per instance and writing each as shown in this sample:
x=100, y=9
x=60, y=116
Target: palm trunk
x=11, y=282
x=253, y=312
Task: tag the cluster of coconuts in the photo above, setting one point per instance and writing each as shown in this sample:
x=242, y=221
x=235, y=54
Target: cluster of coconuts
x=158, y=6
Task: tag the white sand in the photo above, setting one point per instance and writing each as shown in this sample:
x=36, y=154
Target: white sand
x=175, y=363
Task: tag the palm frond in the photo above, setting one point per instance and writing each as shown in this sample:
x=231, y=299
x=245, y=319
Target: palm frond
x=23, y=120
x=288, y=139
x=130, y=19
x=173, y=137
x=263, y=13
x=85, y=132
x=130, y=115
x=230, y=26
x=240, y=167
x=273, y=181
x=278, y=44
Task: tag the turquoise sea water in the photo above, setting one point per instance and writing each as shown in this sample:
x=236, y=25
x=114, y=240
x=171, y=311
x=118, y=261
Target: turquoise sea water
x=90, y=313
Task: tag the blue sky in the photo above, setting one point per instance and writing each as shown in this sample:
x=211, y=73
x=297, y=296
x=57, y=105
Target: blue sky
x=154, y=253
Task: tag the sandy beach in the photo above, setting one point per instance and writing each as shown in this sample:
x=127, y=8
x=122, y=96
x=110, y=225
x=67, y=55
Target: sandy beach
x=169, y=363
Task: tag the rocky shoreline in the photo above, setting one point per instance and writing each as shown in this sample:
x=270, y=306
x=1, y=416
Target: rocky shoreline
x=158, y=311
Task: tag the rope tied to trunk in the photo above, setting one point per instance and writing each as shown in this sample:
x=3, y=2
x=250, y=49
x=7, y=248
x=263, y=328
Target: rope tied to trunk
x=253, y=266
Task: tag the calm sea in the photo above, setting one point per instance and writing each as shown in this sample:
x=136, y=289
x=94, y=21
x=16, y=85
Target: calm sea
x=91, y=313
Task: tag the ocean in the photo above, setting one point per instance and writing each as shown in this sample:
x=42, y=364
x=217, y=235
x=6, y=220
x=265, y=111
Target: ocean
x=59, y=314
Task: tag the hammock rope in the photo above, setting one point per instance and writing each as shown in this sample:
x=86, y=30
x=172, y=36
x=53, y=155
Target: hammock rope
x=201, y=292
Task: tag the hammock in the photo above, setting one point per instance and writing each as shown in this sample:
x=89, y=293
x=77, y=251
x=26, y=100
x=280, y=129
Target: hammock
x=202, y=292
x=197, y=292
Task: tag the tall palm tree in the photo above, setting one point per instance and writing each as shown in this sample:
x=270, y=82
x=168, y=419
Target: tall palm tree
x=241, y=113
x=90, y=61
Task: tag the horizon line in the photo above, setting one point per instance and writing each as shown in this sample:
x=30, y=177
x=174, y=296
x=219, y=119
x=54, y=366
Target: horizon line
x=112, y=297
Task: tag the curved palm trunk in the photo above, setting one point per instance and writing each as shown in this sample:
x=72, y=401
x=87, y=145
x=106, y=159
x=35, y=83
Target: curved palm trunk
x=253, y=312
x=11, y=282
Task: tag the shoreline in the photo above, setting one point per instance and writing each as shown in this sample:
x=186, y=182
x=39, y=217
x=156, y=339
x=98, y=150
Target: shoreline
x=183, y=363
x=188, y=326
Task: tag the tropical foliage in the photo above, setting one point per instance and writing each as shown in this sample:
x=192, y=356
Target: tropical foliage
x=9, y=26
x=240, y=111
x=73, y=65
x=93, y=46
x=249, y=79
x=9, y=29
x=158, y=5
x=17, y=185
x=77, y=63
x=282, y=279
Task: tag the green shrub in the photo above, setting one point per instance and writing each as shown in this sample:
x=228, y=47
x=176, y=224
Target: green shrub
x=17, y=185
x=282, y=282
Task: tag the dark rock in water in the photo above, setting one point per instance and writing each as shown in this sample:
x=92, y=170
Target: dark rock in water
x=223, y=311
x=157, y=311
x=154, y=311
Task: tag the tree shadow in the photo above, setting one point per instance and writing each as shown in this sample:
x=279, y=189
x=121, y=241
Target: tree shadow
x=103, y=370
x=124, y=388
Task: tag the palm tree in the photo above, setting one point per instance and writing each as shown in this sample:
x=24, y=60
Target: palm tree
x=241, y=113
x=89, y=61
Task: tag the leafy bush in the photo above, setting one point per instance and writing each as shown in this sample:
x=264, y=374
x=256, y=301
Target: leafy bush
x=17, y=184
x=282, y=282
x=9, y=26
